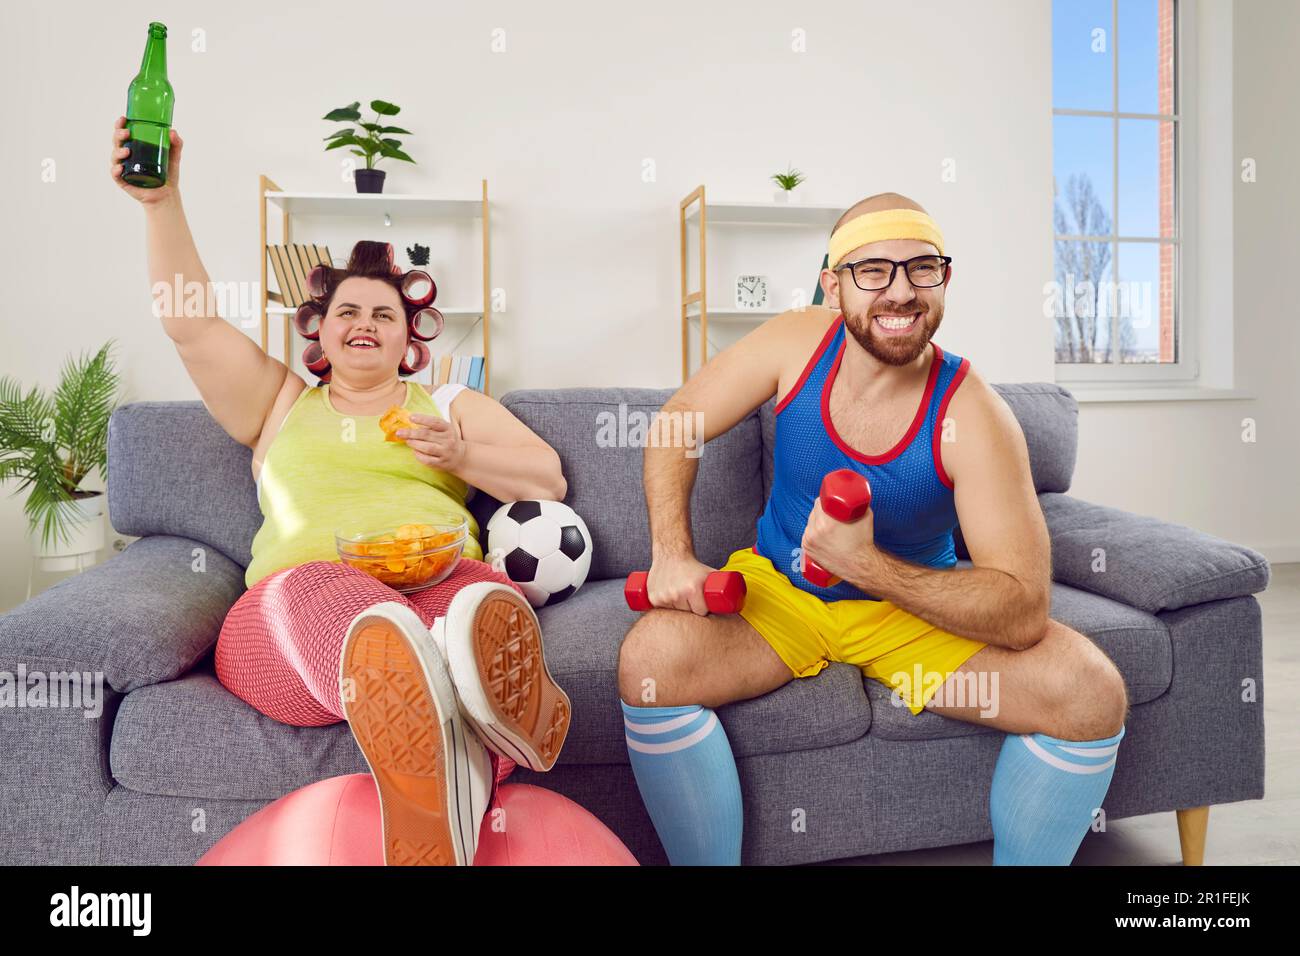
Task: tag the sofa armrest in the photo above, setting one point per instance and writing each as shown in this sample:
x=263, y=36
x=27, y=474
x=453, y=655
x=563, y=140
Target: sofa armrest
x=145, y=616
x=1149, y=564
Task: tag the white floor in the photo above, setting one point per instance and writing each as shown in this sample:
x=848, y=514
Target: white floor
x=1255, y=832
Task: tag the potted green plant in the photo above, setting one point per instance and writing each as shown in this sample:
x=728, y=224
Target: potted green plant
x=374, y=144
x=787, y=181
x=50, y=443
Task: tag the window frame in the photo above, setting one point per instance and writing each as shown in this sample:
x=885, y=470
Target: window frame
x=1186, y=368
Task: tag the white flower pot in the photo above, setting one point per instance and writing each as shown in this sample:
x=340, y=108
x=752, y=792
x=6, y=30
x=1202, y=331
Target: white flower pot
x=781, y=195
x=85, y=539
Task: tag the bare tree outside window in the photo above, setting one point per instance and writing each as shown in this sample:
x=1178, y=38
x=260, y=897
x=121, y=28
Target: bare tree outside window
x=1081, y=269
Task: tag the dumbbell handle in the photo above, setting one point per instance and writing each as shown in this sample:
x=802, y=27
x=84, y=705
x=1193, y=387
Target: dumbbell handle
x=845, y=496
x=724, y=591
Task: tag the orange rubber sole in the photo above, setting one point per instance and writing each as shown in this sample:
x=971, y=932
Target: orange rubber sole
x=512, y=669
x=396, y=723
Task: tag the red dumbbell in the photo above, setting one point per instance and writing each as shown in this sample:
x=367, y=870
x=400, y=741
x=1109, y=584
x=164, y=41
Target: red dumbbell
x=845, y=496
x=724, y=591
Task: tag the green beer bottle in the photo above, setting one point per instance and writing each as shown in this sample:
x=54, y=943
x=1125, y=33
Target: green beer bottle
x=149, y=102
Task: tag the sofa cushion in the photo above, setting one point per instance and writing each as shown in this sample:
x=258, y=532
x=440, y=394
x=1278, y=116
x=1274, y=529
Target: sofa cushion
x=173, y=470
x=192, y=737
x=1149, y=564
x=594, y=431
x=1134, y=640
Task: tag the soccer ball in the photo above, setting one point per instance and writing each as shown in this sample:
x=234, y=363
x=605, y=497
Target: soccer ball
x=543, y=546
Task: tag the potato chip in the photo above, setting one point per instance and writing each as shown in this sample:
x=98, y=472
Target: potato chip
x=393, y=419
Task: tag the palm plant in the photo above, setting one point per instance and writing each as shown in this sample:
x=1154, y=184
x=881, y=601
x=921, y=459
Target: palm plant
x=50, y=443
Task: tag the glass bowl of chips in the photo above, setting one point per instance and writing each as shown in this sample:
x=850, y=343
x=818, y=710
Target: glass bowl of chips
x=407, y=557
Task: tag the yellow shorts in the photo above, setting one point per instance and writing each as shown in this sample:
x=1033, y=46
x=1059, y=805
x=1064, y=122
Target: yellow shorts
x=882, y=640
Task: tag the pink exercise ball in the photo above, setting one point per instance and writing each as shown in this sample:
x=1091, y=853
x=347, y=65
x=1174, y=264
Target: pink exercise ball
x=335, y=822
x=530, y=826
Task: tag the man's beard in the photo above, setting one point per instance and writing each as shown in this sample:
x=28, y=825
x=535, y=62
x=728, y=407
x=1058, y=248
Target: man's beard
x=896, y=349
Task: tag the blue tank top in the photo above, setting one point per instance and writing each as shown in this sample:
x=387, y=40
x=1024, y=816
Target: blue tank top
x=911, y=494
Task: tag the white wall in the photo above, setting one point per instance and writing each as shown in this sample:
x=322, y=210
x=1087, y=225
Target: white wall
x=561, y=124
x=1249, y=491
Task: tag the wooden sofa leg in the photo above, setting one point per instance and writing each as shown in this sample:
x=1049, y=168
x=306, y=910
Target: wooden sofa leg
x=1191, y=834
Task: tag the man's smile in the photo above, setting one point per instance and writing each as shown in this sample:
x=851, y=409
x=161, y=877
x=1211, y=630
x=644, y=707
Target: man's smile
x=896, y=324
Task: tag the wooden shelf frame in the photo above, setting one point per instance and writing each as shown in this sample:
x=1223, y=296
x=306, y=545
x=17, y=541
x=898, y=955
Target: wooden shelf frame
x=694, y=209
x=700, y=295
x=369, y=205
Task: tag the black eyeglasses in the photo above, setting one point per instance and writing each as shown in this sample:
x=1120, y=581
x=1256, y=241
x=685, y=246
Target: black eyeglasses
x=924, y=272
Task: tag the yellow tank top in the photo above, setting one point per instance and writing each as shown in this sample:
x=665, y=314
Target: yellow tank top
x=324, y=468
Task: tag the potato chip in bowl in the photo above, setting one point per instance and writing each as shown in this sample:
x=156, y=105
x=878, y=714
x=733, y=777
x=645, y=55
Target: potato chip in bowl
x=406, y=557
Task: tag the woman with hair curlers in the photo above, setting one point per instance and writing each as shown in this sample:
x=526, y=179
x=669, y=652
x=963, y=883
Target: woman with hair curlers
x=445, y=688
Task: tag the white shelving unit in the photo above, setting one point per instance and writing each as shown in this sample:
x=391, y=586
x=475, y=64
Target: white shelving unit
x=378, y=210
x=792, y=213
x=695, y=211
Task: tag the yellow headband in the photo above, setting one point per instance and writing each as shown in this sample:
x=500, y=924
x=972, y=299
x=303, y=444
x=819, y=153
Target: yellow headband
x=883, y=224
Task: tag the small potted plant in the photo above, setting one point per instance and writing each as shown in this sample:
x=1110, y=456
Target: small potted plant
x=50, y=443
x=787, y=181
x=374, y=144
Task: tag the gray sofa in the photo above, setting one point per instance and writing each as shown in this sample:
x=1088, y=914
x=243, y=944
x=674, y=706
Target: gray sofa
x=175, y=761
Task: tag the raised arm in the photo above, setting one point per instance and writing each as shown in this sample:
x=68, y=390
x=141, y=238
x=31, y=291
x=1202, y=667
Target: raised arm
x=237, y=381
x=732, y=384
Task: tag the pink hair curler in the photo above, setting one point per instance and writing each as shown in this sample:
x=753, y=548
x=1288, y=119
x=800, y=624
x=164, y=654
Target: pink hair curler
x=426, y=325
x=418, y=288
x=422, y=355
x=307, y=320
x=313, y=356
x=316, y=281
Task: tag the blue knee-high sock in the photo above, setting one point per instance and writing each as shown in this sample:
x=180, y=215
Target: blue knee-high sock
x=687, y=777
x=1044, y=793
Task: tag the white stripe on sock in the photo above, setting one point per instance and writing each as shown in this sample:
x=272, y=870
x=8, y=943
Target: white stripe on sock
x=674, y=745
x=663, y=726
x=1091, y=751
x=1050, y=758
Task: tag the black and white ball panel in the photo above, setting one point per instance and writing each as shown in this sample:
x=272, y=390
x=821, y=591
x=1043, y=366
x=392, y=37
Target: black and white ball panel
x=544, y=547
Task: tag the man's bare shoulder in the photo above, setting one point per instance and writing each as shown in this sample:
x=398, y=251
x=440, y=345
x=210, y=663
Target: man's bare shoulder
x=801, y=321
x=793, y=335
x=977, y=410
x=973, y=400
x=791, y=338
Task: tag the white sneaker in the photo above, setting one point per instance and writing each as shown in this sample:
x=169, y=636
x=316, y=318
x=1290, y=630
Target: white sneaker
x=433, y=774
x=492, y=642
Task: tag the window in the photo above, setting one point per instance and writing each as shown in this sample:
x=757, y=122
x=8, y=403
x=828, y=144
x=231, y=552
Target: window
x=1118, y=169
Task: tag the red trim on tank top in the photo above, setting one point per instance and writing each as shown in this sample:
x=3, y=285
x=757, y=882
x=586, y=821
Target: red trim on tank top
x=935, y=362
x=957, y=377
x=812, y=363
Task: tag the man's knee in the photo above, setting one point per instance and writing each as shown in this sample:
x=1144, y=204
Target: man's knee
x=1113, y=694
x=652, y=660
x=1097, y=707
